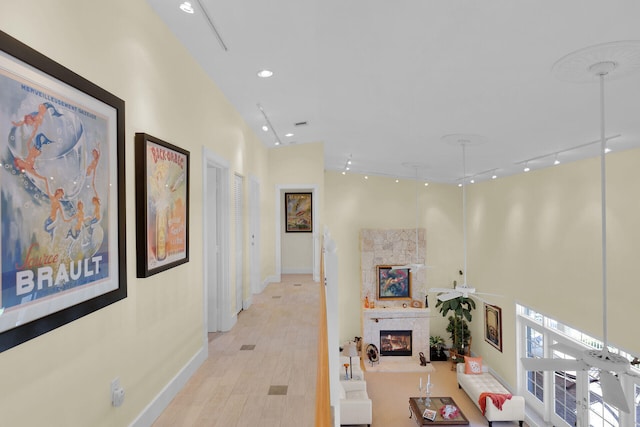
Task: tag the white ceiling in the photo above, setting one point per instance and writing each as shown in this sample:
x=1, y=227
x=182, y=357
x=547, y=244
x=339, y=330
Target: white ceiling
x=383, y=81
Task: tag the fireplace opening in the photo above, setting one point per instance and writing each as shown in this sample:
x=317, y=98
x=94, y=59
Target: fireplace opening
x=395, y=343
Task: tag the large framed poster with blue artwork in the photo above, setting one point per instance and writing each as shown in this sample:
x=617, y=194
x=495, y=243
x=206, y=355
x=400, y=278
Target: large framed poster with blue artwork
x=62, y=235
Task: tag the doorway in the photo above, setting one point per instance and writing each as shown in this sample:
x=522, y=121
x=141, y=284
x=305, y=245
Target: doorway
x=315, y=241
x=216, y=243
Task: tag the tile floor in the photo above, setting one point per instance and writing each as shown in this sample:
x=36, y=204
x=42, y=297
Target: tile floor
x=262, y=372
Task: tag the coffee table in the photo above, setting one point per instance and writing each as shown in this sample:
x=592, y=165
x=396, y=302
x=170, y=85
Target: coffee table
x=417, y=407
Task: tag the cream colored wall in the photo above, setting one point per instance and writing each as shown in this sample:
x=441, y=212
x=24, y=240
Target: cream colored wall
x=353, y=203
x=296, y=166
x=122, y=46
x=535, y=238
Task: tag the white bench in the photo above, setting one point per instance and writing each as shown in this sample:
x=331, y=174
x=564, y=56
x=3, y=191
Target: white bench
x=476, y=384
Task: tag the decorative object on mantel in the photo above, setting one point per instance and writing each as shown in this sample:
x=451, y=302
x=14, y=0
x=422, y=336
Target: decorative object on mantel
x=416, y=304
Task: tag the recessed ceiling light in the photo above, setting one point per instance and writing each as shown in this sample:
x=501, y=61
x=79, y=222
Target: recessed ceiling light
x=265, y=73
x=186, y=7
x=265, y=128
x=494, y=176
x=366, y=177
x=288, y=135
x=426, y=184
x=277, y=143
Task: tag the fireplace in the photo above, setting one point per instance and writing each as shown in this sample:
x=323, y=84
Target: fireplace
x=395, y=343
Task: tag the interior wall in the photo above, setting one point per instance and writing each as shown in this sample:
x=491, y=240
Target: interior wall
x=296, y=168
x=145, y=339
x=535, y=239
x=353, y=203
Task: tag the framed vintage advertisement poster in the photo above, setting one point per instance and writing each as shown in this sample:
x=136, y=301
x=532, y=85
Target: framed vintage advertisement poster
x=298, y=208
x=393, y=283
x=493, y=325
x=63, y=194
x=162, y=205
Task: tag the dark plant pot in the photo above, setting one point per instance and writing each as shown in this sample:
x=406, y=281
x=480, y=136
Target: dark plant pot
x=437, y=356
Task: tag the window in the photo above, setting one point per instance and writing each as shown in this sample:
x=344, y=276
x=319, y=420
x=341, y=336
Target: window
x=559, y=396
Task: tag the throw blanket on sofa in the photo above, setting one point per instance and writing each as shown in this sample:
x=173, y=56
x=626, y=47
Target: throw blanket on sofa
x=498, y=400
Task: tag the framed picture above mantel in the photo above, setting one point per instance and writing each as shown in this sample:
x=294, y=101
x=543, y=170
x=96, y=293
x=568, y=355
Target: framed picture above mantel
x=393, y=283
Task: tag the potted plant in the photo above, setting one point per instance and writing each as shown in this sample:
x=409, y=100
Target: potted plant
x=458, y=327
x=436, y=348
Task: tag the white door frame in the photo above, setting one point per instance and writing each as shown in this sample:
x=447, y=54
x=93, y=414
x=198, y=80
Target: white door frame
x=212, y=163
x=254, y=237
x=316, y=241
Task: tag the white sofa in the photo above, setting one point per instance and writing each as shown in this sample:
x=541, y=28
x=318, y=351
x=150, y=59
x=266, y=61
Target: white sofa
x=355, y=405
x=476, y=384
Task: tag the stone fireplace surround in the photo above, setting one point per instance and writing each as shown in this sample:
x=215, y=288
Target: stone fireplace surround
x=394, y=247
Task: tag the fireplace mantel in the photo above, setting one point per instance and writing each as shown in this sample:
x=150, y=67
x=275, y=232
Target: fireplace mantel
x=397, y=318
x=396, y=313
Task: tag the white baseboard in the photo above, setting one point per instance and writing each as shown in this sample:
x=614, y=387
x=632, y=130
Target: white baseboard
x=166, y=395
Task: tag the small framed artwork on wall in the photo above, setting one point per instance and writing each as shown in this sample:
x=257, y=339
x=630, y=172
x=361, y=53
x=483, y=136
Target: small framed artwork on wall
x=493, y=325
x=393, y=283
x=298, y=212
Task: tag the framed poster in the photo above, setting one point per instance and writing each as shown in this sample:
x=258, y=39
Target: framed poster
x=63, y=195
x=162, y=205
x=493, y=325
x=393, y=283
x=298, y=212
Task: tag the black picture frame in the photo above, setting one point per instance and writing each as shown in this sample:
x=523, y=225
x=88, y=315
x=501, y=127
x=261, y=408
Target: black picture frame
x=162, y=205
x=298, y=208
x=493, y=326
x=393, y=283
x=62, y=148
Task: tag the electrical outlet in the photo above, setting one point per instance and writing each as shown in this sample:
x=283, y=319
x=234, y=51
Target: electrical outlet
x=117, y=392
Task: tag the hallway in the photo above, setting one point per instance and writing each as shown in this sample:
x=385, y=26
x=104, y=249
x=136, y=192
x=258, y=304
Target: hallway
x=263, y=371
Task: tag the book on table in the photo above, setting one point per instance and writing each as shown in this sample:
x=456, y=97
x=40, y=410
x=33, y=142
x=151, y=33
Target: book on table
x=429, y=414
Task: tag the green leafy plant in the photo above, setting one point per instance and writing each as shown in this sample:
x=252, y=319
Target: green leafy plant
x=436, y=343
x=458, y=327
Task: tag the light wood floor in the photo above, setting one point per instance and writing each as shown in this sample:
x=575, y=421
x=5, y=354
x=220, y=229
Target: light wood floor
x=273, y=383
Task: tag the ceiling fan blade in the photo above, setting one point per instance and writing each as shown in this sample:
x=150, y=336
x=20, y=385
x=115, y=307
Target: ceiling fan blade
x=612, y=391
x=449, y=296
x=534, y=364
x=566, y=349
